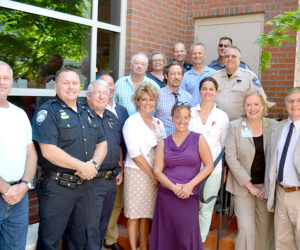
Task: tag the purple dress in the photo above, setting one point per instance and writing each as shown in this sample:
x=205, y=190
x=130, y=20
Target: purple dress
x=175, y=222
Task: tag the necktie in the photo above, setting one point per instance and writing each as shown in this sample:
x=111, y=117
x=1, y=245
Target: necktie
x=284, y=153
x=176, y=97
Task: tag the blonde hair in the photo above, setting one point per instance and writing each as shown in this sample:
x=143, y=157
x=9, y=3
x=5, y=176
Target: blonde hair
x=261, y=97
x=144, y=88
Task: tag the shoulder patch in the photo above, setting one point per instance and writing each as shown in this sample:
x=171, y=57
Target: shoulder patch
x=41, y=116
x=256, y=82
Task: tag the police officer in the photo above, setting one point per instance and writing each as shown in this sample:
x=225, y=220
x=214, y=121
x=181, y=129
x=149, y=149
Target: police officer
x=234, y=82
x=103, y=188
x=71, y=147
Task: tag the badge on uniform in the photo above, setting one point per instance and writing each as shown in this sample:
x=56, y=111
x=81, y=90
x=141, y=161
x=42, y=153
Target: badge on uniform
x=41, y=116
x=63, y=115
x=256, y=82
x=245, y=131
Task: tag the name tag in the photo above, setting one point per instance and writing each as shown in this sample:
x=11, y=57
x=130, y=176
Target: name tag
x=246, y=132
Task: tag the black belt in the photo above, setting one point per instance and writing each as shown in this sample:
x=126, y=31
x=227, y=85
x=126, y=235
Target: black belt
x=64, y=179
x=109, y=174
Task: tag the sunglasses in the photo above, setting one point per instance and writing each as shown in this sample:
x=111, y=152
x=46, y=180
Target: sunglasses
x=223, y=45
x=185, y=104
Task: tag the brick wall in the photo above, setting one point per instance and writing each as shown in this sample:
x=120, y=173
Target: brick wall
x=156, y=25
x=280, y=77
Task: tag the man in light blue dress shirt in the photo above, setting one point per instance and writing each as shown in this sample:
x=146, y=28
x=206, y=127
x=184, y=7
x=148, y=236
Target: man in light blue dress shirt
x=193, y=77
x=126, y=85
x=170, y=95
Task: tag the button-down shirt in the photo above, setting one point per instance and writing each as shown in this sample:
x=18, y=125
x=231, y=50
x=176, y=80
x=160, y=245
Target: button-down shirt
x=125, y=90
x=214, y=130
x=232, y=90
x=165, y=104
x=217, y=65
x=112, y=108
x=191, y=81
x=290, y=176
x=112, y=129
x=76, y=133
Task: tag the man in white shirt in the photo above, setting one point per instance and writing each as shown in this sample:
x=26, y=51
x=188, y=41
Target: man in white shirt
x=282, y=178
x=17, y=168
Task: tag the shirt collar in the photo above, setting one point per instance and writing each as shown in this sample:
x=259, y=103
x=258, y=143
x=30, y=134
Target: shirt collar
x=296, y=123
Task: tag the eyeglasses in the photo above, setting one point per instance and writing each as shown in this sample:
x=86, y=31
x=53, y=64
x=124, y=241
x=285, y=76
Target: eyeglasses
x=157, y=60
x=185, y=104
x=223, y=45
x=295, y=101
x=230, y=56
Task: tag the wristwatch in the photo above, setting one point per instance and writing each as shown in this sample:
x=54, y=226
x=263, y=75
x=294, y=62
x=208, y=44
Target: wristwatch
x=97, y=165
x=28, y=184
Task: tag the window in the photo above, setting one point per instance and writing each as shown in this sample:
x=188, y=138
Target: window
x=37, y=37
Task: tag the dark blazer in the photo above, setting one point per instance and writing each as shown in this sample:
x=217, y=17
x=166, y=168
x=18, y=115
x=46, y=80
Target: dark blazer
x=122, y=116
x=122, y=113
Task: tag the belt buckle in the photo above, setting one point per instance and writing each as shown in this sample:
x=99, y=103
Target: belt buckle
x=108, y=174
x=80, y=181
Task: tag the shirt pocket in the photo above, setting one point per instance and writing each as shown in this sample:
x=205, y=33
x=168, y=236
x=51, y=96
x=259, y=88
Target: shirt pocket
x=68, y=131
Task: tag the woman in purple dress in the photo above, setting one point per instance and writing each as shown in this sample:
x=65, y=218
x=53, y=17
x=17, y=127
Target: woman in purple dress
x=177, y=167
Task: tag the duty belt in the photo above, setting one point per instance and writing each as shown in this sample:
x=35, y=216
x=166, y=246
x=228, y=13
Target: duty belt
x=64, y=179
x=109, y=174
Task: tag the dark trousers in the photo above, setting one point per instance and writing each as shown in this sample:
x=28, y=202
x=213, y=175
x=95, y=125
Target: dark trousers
x=63, y=213
x=102, y=198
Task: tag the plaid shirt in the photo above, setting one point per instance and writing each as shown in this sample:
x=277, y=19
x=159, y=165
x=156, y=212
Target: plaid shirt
x=125, y=90
x=165, y=104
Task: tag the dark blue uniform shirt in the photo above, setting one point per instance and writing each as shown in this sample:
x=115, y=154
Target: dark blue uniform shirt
x=77, y=133
x=111, y=126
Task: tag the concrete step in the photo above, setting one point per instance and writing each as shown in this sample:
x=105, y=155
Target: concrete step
x=226, y=243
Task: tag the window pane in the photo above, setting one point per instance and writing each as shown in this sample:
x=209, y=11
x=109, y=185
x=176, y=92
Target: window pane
x=36, y=47
x=74, y=7
x=109, y=11
x=107, y=53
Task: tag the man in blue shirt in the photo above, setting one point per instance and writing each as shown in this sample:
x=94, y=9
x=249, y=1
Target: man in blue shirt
x=193, y=77
x=219, y=63
x=126, y=85
x=171, y=95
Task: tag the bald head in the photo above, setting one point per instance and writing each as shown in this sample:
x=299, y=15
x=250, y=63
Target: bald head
x=110, y=81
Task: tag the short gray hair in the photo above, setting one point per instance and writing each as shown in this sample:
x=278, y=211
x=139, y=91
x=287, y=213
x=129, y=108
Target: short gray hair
x=139, y=54
x=291, y=91
x=198, y=44
x=98, y=81
x=235, y=48
x=7, y=65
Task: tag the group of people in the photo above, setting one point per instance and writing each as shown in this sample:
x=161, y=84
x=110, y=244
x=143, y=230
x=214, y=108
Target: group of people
x=149, y=140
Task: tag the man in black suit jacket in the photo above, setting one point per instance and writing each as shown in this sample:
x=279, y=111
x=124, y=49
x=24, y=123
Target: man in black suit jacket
x=120, y=111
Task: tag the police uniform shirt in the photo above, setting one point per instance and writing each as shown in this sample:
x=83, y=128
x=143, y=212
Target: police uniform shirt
x=111, y=127
x=77, y=133
x=233, y=89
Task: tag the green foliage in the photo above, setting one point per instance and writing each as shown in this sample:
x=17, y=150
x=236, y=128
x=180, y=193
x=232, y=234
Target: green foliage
x=282, y=25
x=28, y=40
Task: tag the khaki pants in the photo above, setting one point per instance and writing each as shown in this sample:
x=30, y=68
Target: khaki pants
x=255, y=223
x=112, y=233
x=287, y=219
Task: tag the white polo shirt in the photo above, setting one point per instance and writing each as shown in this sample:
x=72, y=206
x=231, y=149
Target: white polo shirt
x=15, y=135
x=214, y=130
